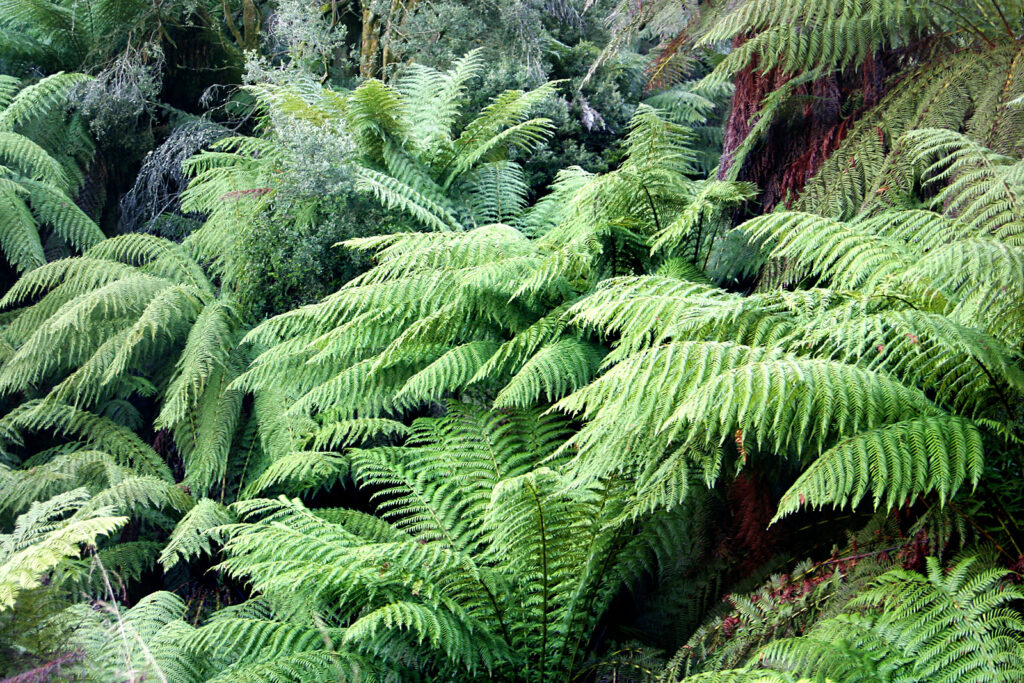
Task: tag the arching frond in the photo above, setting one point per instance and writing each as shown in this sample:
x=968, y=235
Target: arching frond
x=42, y=539
x=195, y=532
x=938, y=627
x=898, y=462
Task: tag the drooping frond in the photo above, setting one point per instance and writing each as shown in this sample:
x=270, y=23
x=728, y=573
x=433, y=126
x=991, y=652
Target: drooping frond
x=897, y=462
x=394, y=194
x=194, y=534
x=954, y=90
x=97, y=432
x=135, y=316
x=939, y=626
x=978, y=186
x=45, y=536
x=450, y=372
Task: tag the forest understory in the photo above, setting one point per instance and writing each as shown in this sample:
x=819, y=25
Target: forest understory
x=512, y=340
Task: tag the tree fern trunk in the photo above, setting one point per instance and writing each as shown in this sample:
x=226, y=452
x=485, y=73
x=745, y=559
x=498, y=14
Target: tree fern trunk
x=790, y=154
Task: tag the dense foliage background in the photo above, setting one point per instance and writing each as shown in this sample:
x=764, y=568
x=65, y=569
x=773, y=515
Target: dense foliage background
x=515, y=340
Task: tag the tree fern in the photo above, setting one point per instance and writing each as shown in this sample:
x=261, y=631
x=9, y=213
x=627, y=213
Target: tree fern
x=122, y=314
x=35, y=187
x=917, y=65
x=485, y=563
x=940, y=626
x=402, y=149
x=698, y=392
x=379, y=346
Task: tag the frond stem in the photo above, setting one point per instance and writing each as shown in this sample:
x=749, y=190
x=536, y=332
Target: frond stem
x=593, y=594
x=545, y=578
x=654, y=211
x=1002, y=18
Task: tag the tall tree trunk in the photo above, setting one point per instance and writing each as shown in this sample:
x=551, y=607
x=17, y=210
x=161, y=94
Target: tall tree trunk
x=369, y=45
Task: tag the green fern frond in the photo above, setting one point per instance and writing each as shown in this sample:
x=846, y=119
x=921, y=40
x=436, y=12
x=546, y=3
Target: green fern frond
x=979, y=187
x=57, y=210
x=296, y=472
x=39, y=99
x=98, y=433
x=19, y=239
x=9, y=86
x=207, y=349
x=394, y=194
x=452, y=371
x=828, y=249
x=23, y=157
x=144, y=640
x=940, y=627
x=897, y=462
x=497, y=192
x=340, y=434
x=41, y=540
x=195, y=532
x=553, y=371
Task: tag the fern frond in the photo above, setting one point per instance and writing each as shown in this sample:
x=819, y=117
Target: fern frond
x=58, y=211
x=195, y=532
x=897, y=462
x=144, y=640
x=97, y=432
x=296, y=472
x=28, y=159
x=939, y=627
x=497, y=192
x=829, y=249
x=553, y=371
x=39, y=99
x=40, y=541
x=19, y=239
x=392, y=193
x=452, y=371
x=790, y=403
